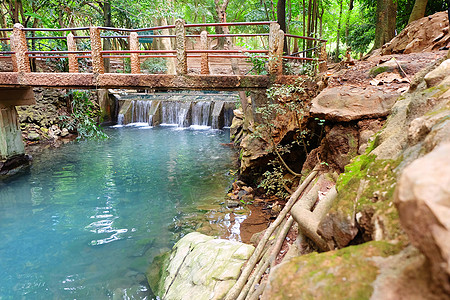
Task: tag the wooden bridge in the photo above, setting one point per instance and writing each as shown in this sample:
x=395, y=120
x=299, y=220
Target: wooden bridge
x=16, y=86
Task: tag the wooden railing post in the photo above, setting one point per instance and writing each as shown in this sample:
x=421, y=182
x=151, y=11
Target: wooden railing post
x=205, y=60
x=323, y=58
x=21, y=62
x=276, y=41
x=180, y=35
x=96, y=48
x=134, y=46
x=72, y=46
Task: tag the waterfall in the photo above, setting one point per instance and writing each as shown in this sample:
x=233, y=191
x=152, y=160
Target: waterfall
x=140, y=112
x=174, y=113
x=120, y=118
x=201, y=112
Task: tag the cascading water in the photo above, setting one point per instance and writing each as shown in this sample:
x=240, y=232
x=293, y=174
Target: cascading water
x=198, y=110
x=201, y=112
x=140, y=112
x=120, y=118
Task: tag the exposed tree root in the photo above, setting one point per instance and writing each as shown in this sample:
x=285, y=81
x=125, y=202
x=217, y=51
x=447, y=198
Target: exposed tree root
x=260, y=261
x=239, y=285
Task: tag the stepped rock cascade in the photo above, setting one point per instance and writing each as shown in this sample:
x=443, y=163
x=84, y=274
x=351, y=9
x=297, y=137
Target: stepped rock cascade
x=199, y=110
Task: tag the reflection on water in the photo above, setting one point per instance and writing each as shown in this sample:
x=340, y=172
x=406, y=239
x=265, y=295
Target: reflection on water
x=86, y=220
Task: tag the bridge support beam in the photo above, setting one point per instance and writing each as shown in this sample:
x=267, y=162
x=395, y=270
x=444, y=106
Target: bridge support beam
x=11, y=143
x=96, y=48
x=204, y=65
x=276, y=42
x=323, y=58
x=12, y=150
x=10, y=135
x=180, y=35
x=134, y=60
x=73, y=61
x=21, y=62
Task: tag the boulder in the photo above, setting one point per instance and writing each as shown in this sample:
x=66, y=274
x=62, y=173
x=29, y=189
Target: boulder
x=424, y=35
x=344, y=274
x=423, y=201
x=388, y=66
x=437, y=75
x=201, y=267
x=339, y=146
x=64, y=132
x=346, y=103
x=33, y=136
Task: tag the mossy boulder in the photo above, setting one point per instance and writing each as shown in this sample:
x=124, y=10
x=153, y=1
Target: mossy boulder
x=157, y=272
x=343, y=274
x=198, y=267
x=372, y=215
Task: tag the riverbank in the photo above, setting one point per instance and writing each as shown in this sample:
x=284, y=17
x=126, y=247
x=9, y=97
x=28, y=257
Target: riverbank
x=383, y=122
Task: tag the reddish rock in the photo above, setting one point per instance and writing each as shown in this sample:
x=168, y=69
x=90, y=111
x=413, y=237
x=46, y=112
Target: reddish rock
x=346, y=103
x=423, y=200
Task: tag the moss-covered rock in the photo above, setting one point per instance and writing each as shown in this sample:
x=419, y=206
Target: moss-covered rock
x=343, y=274
x=372, y=215
x=157, y=272
x=198, y=267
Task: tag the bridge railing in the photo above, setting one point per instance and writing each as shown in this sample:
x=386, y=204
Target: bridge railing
x=21, y=55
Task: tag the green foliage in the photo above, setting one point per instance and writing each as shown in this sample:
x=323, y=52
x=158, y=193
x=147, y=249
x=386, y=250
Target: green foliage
x=361, y=37
x=285, y=100
x=155, y=65
x=275, y=181
x=258, y=62
x=4, y=46
x=85, y=112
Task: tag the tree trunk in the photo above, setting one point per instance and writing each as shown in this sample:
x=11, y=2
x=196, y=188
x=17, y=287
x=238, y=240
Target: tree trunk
x=166, y=44
x=221, y=17
x=281, y=19
x=350, y=8
x=338, y=36
x=418, y=10
x=107, y=42
x=386, y=16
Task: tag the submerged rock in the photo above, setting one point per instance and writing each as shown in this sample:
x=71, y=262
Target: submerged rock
x=200, y=267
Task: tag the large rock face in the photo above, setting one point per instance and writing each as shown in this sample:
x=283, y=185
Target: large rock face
x=346, y=103
x=423, y=201
x=426, y=34
x=202, y=267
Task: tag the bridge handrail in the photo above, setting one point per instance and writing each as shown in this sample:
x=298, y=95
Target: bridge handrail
x=21, y=55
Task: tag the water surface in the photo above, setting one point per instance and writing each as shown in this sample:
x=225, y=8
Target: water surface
x=86, y=220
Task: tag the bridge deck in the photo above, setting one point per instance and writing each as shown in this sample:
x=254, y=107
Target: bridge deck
x=133, y=81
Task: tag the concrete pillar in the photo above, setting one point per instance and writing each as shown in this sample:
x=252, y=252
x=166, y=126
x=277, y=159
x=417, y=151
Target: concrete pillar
x=180, y=34
x=259, y=99
x=134, y=46
x=19, y=45
x=204, y=42
x=276, y=41
x=96, y=47
x=10, y=135
x=73, y=61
